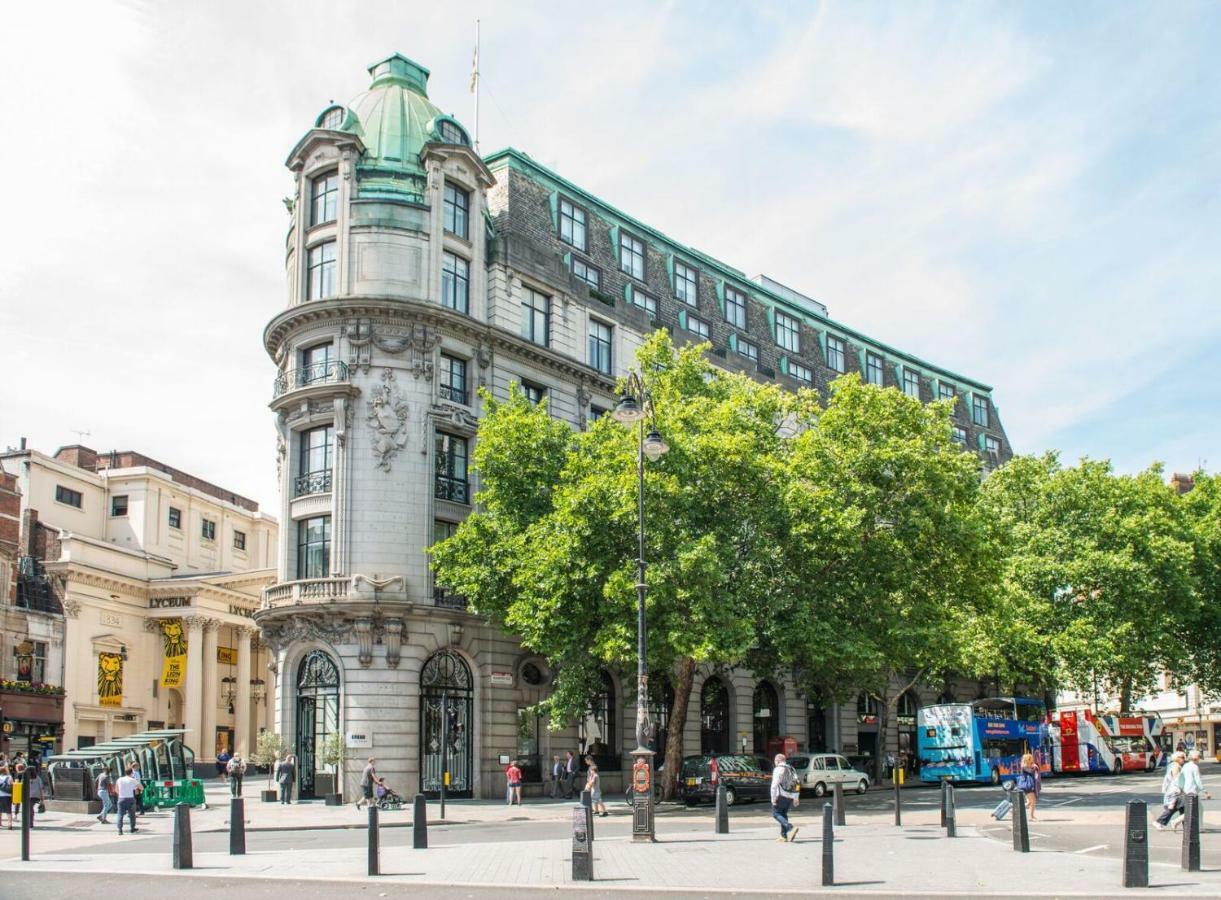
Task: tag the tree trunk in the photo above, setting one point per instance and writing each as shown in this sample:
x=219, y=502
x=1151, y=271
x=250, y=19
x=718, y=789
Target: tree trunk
x=1125, y=696
x=678, y=721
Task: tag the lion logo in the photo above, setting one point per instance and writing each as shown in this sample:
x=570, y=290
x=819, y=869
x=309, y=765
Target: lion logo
x=110, y=675
x=172, y=637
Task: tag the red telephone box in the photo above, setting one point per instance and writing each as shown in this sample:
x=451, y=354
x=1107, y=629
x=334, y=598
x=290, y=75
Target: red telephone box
x=783, y=744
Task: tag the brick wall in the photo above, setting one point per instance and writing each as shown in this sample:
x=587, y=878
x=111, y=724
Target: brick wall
x=91, y=460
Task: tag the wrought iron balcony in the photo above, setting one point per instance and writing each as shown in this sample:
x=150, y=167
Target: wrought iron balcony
x=456, y=490
x=456, y=394
x=312, y=483
x=447, y=599
x=34, y=591
x=331, y=372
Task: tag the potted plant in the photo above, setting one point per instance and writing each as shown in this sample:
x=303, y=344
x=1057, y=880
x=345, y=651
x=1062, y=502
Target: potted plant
x=331, y=754
x=268, y=749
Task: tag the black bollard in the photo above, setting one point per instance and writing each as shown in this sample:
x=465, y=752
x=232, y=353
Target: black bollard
x=1191, y=833
x=951, y=815
x=1021, y=830
x=587, y=804
x=26, y=814
x=237, y=827
x=828, y=846
x=582, y=847
x=419, y=823
x=1135, y=845
x=944, y=785
x=375, y=840
x=722, y=811
x=183, y=857
x=837, y=795
x=898, y=806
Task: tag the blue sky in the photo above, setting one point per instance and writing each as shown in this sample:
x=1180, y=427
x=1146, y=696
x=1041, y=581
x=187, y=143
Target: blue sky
x=1024, y=193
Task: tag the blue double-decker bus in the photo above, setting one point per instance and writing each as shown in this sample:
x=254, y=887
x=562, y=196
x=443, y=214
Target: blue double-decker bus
x=981, y=741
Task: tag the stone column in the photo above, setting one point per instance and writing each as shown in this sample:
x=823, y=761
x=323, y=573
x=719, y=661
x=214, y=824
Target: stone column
x=242, y=738
x=193, y=701
x=207, y=745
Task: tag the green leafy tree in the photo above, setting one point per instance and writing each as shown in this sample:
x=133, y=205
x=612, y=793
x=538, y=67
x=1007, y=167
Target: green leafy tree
x=268, y=748
x=1203, y=507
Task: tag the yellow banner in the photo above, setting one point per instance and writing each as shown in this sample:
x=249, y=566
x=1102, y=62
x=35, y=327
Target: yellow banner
x=226, y=656
x=110, y=679
x=174, y=647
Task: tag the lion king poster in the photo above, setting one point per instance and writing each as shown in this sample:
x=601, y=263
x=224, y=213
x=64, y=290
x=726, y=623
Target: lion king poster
x=110, y=679
x=174, y=645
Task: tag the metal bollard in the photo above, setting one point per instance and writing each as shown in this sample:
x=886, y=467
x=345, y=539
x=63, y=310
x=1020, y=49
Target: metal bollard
x=1191, y=833
x=237, y=827
x=898, y=804
x=944, y=784
x=587, y=804
x=1021, y=830
x=837, y=795
x=582, y=847
x=183, y=857
x=951, y=814
x=26, y=814
x=828, y=846
x=1135, y=845
x=419, y=823
x=722, y=811
x=375, y=842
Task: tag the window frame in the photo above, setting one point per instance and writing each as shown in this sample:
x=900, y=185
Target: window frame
x=908, y=375
x=66, y=495
x=737, y=300
x=530, y=314
x=992, y=445
x=306, y=450
x=596, y=344
x=454, y=212
x=627, y=243
x=837, y=346
x=946, y=391
x=980, y=414
x=534, y=392
x=688, y=277
x=788, y=326
x=753, y=356
x=874, y=362
x=594, y=283
x=959, y=435
x=444, y=469
x=571, y=216
x=115, y=506
x=305, y=544
x=207, y=529
x=705, y=332
x=801, y=372
x=239, y=540
x=322, y=274
x=174, y=518
x=650, y=304
x=451, y=364
x=453, y=276
x=329, y=197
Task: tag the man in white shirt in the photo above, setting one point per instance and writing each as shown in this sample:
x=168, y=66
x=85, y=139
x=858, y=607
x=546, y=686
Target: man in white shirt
x=127, y=788
x=1192, y=785
x=784, y=797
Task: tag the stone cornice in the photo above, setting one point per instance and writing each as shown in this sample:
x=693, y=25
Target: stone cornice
x=70, y=573
x=395, y=311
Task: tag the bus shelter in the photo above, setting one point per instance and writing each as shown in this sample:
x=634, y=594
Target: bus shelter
x=166, y=764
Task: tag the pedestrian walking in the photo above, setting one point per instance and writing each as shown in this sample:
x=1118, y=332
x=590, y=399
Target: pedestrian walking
x=236, y=770
x=139, y=776
x=593, y=784
x=784, y=797
x=570, y=774
x=1192, y=784
x=104, y=785
x=286, y=773
x=557, y=776
x=513, y=777
x=222, y=763
x=1030, y=783
x=6, y=796
x=129, y=789
x=1172, y=791
x=368, y=778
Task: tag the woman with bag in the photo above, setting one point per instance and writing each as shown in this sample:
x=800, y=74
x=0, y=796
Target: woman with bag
x=1172, y=792
x=1030, y=783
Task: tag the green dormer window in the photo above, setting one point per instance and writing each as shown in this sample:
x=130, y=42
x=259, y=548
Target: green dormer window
x=686, y=284
x=451, y=133
x=836, y=357
x=735, y=307
x=572, y=225
x=979, y=411
x=332, y=118
x=911, y=383
x=788, y=333
x=631, y=255
x=874, y=373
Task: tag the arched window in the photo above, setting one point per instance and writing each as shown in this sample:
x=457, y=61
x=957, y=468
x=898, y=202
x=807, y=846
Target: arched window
x=446, y=703
x=317, y=718
x=866, y=709
x=766, y=711
x=598, y=732
x=714, y=717
x=661, y=702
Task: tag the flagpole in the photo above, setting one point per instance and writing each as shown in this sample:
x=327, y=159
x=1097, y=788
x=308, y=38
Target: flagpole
x=475, y=85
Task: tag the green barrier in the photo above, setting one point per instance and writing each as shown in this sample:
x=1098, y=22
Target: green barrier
x=163, y=794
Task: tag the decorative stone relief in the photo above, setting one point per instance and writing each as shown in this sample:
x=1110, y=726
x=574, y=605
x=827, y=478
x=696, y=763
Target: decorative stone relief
x=152, y=625
x=281, y=451
x=72, y=608
x=362, y=628
x=453, y=416
x=394, y=641
x=387, y=418
x=417, y=338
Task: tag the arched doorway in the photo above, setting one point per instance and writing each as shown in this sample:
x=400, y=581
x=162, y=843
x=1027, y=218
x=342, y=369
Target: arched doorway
x=905, y=723
x=598, y=735
x=176, y=716
x=317, y=716
x=661, y=702
x=766, y=714
x=866, y=733
x=714, y=717
x=446, y=702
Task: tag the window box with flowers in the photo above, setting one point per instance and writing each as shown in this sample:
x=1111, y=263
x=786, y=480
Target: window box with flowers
x=27, y=687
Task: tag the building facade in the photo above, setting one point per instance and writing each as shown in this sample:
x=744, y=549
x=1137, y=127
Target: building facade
x=150, y=578
x=417, y=273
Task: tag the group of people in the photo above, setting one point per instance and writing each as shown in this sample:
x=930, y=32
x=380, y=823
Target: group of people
x=1182, y=779
x=123, y=796
x=12, y=772
x=564, y=776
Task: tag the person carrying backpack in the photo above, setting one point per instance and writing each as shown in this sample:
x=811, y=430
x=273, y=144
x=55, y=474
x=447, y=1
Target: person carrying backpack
x=784, y=797
x=1030, y=783
x=236, y=770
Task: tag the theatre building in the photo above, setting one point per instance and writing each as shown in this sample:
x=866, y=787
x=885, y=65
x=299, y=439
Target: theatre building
x=418, y=272
x=149, y=578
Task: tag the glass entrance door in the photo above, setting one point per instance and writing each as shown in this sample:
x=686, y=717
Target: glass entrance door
x=446, y=707
x=317, y=716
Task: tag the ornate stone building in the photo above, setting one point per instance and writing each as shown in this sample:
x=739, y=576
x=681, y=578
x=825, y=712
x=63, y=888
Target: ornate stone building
x=418, y=272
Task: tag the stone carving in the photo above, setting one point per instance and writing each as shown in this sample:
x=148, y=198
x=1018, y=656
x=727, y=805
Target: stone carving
x=387, y=418
x=152, y=625
x=394, y=641
x=72, y=608
x=454, y=417
x=375, y=583
x=362, y=628
x=281, y=450
x=418, y=338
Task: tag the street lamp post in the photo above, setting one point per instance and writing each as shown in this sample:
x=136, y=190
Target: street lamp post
x=636, y=406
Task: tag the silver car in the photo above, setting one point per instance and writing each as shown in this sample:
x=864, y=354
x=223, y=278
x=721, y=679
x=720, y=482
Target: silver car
x=819, y=772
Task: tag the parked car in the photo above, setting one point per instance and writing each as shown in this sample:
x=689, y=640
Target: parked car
x=819, y=772
x=741, y=775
